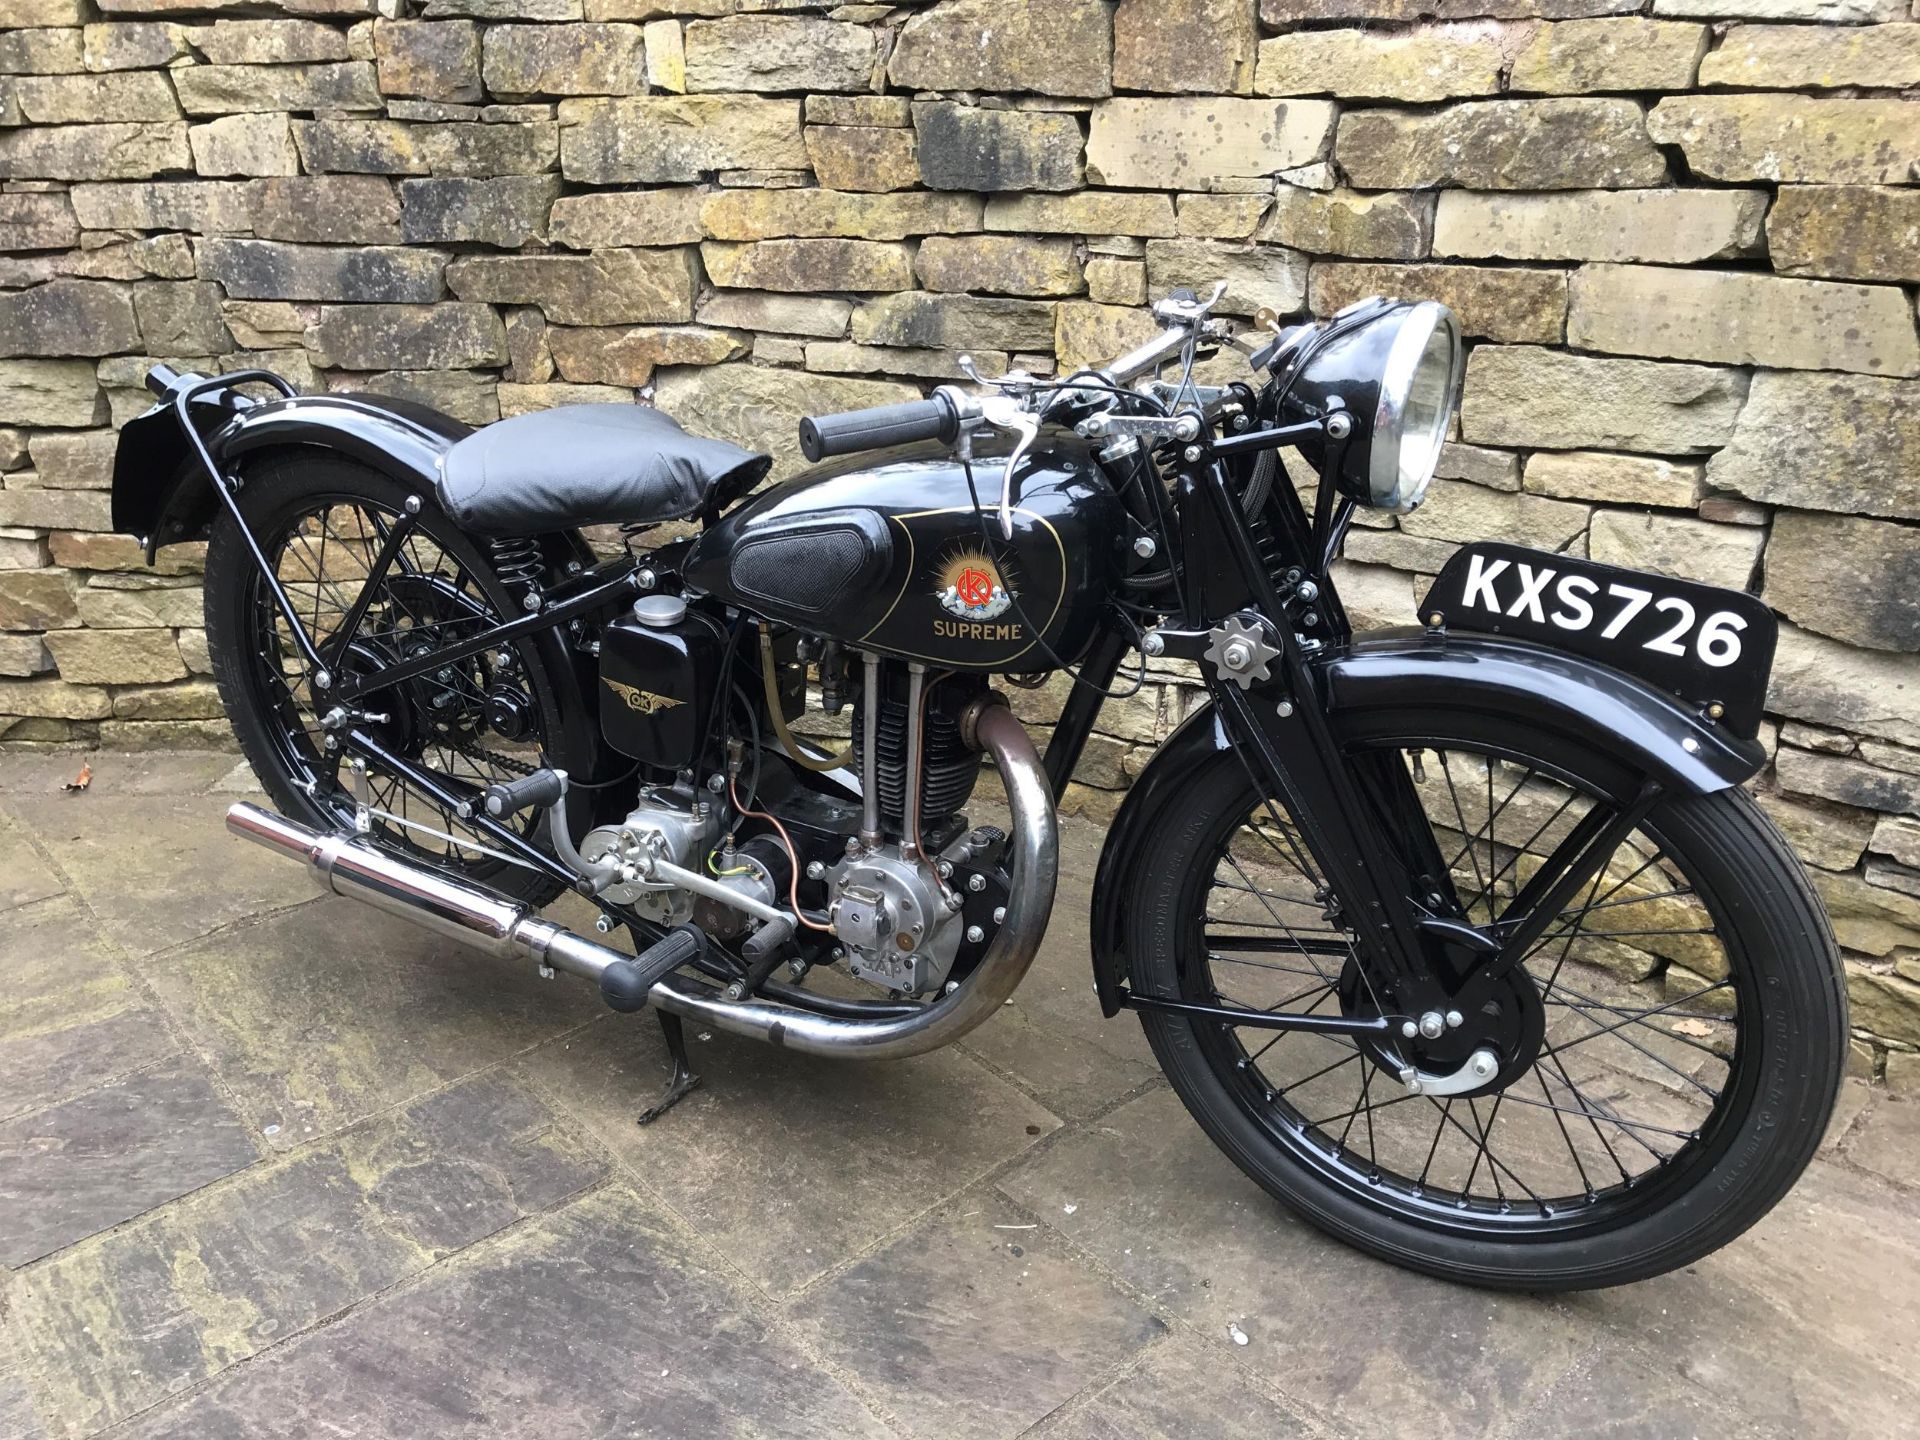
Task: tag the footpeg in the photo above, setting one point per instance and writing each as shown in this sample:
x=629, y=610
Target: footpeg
x=625, y=984
x=510, y=797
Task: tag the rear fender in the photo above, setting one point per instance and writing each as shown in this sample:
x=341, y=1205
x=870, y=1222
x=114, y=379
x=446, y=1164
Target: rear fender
x=162, y=495
x=1578, y=698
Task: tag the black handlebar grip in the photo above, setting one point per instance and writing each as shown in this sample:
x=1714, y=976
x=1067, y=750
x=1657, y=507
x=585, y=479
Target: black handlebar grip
x=822, y=436
x=162, y=378
x=510, y=797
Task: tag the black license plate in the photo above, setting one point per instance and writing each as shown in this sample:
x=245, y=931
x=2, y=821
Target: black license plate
x=1705, y=645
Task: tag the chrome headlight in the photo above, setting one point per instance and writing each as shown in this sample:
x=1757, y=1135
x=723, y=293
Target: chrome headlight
x=1394, y=368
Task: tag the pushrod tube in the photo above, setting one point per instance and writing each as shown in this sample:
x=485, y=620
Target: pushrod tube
x=870, y=835
x=916, y=740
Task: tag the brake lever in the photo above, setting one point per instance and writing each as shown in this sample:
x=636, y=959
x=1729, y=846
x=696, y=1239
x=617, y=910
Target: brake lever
x=1029, y=429
x=1002, y=412
x=1014, y=381
x=1004, y=408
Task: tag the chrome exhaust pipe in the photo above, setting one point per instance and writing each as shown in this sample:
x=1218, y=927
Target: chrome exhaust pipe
x=352, y=868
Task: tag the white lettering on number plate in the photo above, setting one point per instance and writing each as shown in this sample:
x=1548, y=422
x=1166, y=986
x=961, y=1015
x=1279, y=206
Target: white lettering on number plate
x=1578, y=604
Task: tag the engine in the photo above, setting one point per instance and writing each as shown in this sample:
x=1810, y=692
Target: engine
x=948, y=768
x=893, y=880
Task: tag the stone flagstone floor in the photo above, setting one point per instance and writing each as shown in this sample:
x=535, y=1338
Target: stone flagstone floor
x=271, y=1165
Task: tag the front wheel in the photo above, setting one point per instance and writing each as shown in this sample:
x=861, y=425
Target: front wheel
x=1671, y=1047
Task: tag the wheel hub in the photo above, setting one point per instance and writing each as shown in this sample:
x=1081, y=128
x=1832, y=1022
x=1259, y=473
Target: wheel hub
x=1510, y=1022
x=445, y=705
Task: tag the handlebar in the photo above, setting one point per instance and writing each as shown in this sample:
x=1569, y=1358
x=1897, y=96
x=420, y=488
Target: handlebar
x=878, y=427
x=1017, y=403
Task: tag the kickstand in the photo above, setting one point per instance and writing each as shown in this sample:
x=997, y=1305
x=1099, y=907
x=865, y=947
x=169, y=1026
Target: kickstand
x=684, y=1081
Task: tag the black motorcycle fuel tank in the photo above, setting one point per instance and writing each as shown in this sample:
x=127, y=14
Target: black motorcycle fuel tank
x=888, y=554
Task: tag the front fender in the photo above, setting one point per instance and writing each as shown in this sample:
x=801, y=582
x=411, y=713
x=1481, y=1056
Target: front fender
x=162, y=495
x=1412, y=669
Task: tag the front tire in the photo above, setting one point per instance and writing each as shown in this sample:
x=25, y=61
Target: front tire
x=1681, y=1089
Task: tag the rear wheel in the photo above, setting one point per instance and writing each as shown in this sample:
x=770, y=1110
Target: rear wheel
x=320, y=519
x=1669, y=1050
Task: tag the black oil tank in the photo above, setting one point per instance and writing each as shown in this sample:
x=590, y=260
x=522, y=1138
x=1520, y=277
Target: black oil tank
x=888, y=554
x=659, y=664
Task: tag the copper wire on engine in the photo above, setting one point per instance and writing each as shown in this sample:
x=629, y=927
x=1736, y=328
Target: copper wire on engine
x=793, y=856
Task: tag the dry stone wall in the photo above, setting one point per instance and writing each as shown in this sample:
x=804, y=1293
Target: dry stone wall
x=1683, y=236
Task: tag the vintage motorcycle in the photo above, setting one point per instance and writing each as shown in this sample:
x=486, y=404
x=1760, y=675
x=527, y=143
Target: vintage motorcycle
x=1462, y=940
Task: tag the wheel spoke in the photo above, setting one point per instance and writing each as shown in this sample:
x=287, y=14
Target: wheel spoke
x=1581, y=1004
x=1526, y=846
x=1446, y=773
x=1540, y=1079
x=1611, y=1119
x=1267, y=904
x=1439, y=1129
x=1219, y=959
x=1599, y=1109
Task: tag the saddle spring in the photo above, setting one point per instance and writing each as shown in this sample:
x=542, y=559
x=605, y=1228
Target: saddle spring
x=517, y=562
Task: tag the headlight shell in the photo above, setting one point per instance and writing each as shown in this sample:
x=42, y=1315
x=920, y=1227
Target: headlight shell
x=1395, y=368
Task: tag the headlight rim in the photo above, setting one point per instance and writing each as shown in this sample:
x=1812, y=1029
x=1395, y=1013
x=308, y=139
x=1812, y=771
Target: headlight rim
x=1415, y=325
x=1344, y=365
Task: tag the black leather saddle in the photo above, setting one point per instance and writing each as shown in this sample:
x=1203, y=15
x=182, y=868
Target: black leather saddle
x=589, y=465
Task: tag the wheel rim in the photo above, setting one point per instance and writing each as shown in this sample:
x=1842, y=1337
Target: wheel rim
x=321, y=554
x=1648, y=1012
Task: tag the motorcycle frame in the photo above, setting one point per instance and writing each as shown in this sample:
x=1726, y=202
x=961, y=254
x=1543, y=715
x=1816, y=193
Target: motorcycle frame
x=1281, y=725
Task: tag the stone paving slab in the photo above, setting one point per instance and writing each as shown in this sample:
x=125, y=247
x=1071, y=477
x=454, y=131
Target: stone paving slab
x=319, y=1015
x=1616, y=1392
x=457, y=1229
x=24, y=876
x=70, y=1017
x=977, y=1322
x=1887, y=1141
x=788, y=1163
x=1177, y=1387
x=18, y=1418
x=1052, y=1038
x=601, y=1320
x=1149, y=1197
x=73, y=1169
x=118, y=1324
x=114, y=774
x=157, y=869
x=1810, y=1321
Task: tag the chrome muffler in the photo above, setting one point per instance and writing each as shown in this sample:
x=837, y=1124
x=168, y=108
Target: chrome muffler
x=348, y=866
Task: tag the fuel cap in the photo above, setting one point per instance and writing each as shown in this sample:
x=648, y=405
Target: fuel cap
x=660, y=611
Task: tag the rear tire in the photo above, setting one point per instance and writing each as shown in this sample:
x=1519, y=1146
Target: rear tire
x=1783, y=1065
x=284, y=491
